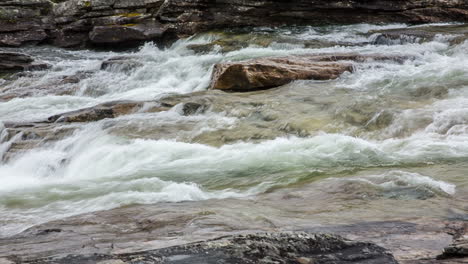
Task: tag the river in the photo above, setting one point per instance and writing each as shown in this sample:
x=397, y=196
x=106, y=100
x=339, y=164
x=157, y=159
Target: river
x=388, y=141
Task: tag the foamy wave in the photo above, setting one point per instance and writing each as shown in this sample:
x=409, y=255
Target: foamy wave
x=401, y=179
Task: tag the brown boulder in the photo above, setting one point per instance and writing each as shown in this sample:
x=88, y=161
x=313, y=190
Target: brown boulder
x=273, y=72
x=265, y=73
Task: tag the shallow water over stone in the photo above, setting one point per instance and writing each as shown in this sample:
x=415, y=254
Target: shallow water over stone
x=386, y=142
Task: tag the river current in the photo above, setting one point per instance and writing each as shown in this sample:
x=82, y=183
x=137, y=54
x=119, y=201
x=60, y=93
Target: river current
x=386, y=133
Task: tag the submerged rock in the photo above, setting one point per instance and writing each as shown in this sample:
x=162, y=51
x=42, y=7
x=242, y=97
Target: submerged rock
x=24, y=22
x=121, y=63
x=453, y=33
x=105, y=110
x=63, y=85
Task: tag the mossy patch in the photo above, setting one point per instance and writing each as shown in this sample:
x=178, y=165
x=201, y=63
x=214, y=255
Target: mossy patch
x=130, y=15
x=87, y=3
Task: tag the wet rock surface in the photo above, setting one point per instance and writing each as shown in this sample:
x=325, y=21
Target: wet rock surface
x=255, y=248
x=11, y=62
x=64, y=85
x=454, y=33
x=24, y=22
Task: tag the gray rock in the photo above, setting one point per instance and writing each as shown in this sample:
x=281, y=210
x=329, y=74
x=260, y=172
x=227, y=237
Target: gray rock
x=16, y=62
x=124, y=34
x=255, y=248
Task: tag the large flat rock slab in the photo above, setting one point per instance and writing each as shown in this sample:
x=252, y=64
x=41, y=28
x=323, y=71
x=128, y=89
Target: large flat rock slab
x=301, y=248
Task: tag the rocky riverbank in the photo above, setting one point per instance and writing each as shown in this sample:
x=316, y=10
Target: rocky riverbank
x=124, y=23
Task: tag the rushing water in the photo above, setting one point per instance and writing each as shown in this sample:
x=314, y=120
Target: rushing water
x=381, y=127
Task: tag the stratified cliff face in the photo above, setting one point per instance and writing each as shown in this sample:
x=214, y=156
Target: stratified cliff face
x=204, y=14
x=77, y=23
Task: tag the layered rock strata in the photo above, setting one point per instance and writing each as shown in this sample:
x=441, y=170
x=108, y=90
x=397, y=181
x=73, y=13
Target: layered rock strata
x=106, y=23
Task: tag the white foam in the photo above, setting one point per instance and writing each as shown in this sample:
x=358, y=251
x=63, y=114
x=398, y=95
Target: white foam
x=397, y=179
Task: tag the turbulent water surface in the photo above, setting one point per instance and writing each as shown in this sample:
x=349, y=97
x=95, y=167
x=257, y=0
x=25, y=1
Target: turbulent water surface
x=387, y=132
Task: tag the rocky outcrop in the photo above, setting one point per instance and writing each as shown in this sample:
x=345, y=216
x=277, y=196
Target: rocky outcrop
x=121, y=63
x=77, y=23
x=24, y=21
x=104, y=23
x=63, y=85
x=196, y=15
x=11, y=62
x=267, y=73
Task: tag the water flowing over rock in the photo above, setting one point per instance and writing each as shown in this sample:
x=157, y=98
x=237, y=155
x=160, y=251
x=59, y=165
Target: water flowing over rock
x=455, y=33
x=76, y=23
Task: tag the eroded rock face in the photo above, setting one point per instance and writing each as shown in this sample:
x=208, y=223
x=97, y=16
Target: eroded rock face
x=201, y=15
x=76, y=23
x=126, y=34
x=267, y=73
x=121, y=63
